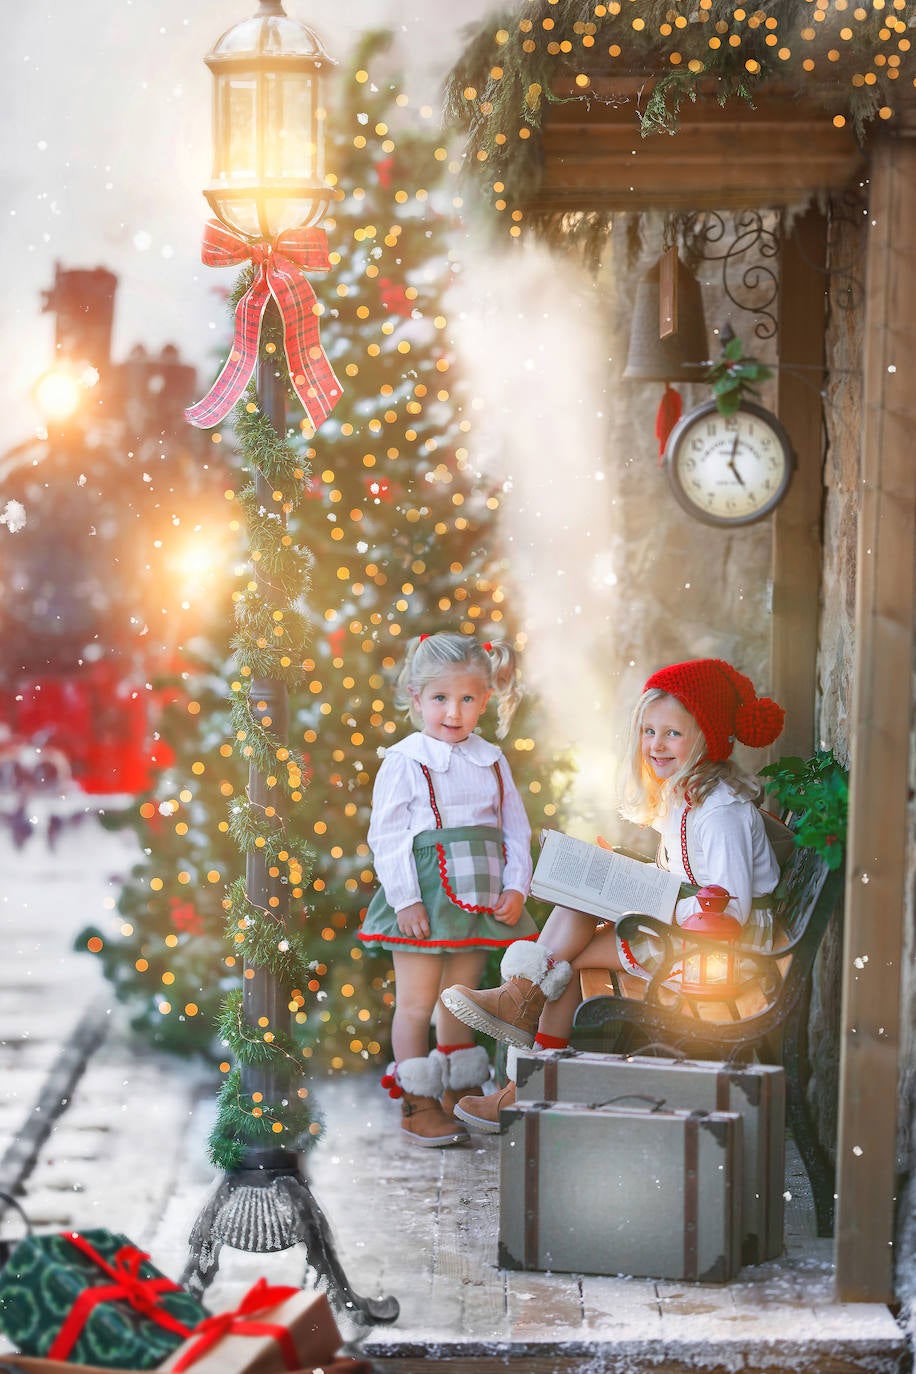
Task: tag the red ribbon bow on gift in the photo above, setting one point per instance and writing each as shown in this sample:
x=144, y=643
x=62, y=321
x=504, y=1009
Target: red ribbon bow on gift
x=278, y=275
x=259, y=1298
x=127, y=1286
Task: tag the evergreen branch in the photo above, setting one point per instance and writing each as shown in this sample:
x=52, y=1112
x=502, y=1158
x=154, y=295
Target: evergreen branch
x=267, y=537
x=250, y=829
x=263, y=448
x=241, y=1122
x=266, y=662
x=512, y=66
x=263, y=747
x=287, y=631
x=248, y=1043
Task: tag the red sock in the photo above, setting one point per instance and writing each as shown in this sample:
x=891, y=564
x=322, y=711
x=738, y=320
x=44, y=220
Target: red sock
x=450, y=1049
x=550, y=1042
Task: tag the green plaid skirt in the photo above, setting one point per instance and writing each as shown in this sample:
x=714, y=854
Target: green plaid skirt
x=466, y=862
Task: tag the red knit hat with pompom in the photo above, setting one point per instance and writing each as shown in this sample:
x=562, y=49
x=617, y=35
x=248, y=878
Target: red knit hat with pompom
x=723, y=703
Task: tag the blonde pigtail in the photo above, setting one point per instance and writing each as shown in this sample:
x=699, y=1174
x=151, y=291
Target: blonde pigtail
x=403, y=698
x=507, y=686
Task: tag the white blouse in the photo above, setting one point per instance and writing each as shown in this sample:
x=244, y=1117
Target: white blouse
x=466, y=794
x=728, y=846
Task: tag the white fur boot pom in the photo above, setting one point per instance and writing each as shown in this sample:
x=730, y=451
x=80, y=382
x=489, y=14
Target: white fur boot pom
x=465, y=1069
x=422, y=1077
x=527, y=959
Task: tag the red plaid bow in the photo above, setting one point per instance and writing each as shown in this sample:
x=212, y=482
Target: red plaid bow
x=278, y=274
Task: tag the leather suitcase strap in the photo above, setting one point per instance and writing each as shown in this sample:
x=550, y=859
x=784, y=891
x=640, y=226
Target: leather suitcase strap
x=550, y=1080
x=723, y=1090
x=532, y=1163
x=691, y=1195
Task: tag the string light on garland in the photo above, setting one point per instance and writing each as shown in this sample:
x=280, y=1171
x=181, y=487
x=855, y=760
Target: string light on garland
x=517, y=73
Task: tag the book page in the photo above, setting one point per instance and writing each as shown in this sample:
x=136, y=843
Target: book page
x=601, y=882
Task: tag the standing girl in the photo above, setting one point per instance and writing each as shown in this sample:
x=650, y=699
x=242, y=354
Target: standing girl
x=681, y=781
x=451, y=844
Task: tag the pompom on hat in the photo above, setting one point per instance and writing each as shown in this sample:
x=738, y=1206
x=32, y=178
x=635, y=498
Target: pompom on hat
x=723, y=703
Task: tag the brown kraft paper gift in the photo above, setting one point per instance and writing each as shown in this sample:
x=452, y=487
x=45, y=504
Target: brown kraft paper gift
x=272, y=1331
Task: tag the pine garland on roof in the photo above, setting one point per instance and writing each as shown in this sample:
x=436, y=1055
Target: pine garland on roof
x=547, y=51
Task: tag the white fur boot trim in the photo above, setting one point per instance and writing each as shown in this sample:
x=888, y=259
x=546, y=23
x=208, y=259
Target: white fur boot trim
x=468, y=1068
x=526, y=959
x=422, y=1077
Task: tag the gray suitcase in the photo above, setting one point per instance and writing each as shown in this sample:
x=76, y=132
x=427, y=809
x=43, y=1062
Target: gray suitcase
x=756, y=1091
x=643, y=1191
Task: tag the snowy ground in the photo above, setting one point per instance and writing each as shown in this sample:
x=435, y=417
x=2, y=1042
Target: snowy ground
x=111, y=1149
x=124, y=1146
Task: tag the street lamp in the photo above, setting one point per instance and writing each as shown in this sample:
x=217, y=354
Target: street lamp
x=268, y=113
x=269, y=193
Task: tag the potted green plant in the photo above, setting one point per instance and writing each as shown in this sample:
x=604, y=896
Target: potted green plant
x=813, y=795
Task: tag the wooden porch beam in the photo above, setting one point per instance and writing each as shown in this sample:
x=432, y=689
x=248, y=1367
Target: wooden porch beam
x=881, y=722
x=797, y=521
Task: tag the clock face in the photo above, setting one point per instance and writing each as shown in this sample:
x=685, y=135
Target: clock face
x=729, y=469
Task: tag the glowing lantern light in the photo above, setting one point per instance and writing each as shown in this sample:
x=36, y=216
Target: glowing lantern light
x=268, y=135
x=711, y=972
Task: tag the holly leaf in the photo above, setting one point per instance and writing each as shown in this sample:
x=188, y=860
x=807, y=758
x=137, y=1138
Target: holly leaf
x=755, y=372
x=729, y=402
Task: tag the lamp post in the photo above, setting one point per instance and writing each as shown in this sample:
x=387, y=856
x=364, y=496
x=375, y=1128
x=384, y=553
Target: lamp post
x=268, y=180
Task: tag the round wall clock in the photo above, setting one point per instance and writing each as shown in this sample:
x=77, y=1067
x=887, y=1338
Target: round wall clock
x=729, y=469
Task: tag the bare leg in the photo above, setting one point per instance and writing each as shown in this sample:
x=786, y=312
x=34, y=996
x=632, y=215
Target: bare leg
x=600, y=952
x=465, y=967
x=567, y=933
x=418, y=978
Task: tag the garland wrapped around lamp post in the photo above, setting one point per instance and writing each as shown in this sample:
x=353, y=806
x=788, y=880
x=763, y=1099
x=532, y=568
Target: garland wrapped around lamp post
x=267, y=115
x=259, y=1106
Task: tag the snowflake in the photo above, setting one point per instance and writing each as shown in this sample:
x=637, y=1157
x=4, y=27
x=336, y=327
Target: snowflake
x=13, y=516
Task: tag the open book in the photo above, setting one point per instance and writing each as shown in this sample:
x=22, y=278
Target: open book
x=588, y=877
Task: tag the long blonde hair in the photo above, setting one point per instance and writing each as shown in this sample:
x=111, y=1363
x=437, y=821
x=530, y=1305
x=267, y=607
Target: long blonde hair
x=432, y=655
x=645, y=798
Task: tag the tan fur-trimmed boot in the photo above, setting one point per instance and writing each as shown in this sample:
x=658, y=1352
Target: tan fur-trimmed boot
x=464, y=1073
x=511, y=1012
x=423, y=1122
x=482, y=1113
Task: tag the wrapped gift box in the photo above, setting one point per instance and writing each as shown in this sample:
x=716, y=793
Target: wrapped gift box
x=93, y=1299
x=642, y=1191
x=757, y=1092
x=274, y=1329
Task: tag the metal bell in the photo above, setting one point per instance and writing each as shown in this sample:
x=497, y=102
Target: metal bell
x=684, y=355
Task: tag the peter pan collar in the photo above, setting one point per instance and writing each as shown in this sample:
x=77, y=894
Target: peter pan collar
x=437, y=755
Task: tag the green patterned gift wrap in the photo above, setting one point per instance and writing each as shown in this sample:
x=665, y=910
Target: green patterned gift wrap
x=93, y=1298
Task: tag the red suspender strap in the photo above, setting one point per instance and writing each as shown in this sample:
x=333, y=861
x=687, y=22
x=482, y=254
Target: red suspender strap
x=687, y=869
x=432, y=795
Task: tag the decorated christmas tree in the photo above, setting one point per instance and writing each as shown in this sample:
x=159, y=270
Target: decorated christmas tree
x=404, y=532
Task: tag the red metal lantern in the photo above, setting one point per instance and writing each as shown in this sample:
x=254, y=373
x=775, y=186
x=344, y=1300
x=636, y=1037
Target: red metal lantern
x=711, y=972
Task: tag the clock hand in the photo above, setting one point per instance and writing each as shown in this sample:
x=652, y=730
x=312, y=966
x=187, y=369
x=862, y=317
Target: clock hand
x=733, y=465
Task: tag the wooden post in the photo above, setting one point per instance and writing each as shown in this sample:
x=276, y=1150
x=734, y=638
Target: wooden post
x=797, y=520
x=881, y=716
